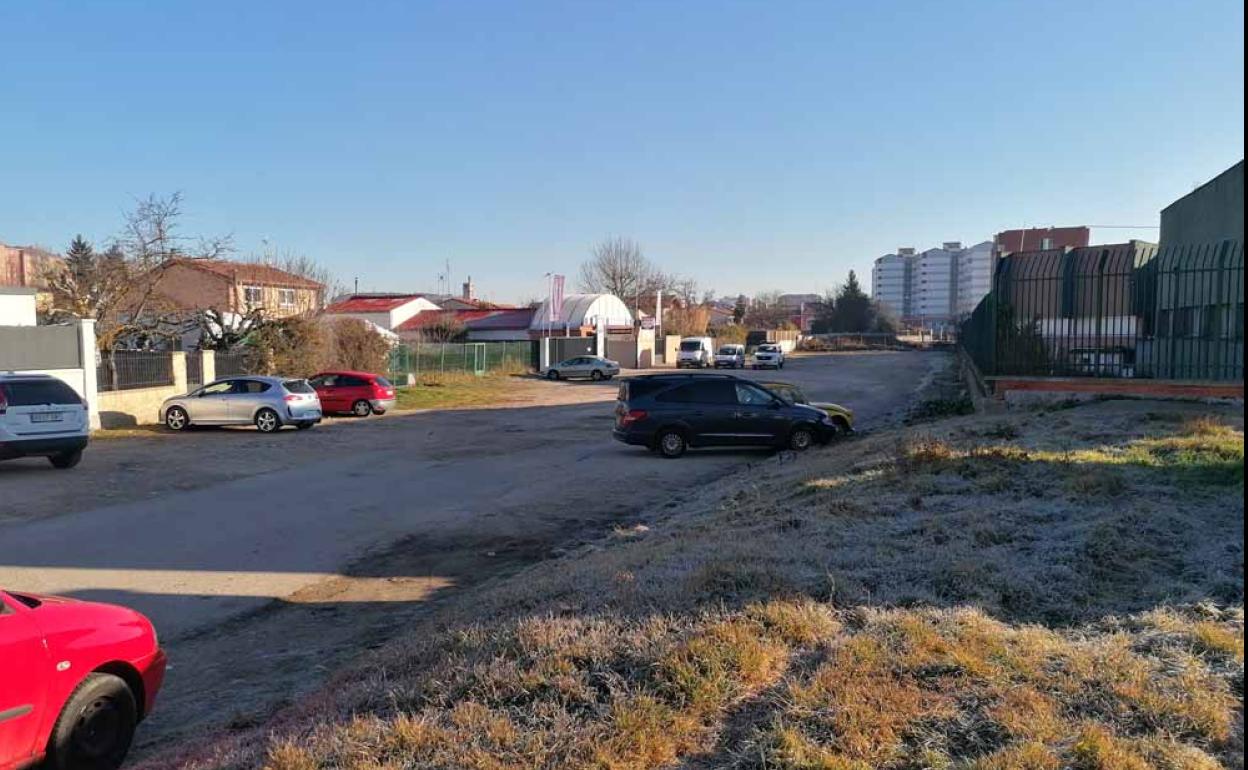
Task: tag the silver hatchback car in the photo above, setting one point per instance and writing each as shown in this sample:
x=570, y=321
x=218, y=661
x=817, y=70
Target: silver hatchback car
x=592, y=367
x=266, y=402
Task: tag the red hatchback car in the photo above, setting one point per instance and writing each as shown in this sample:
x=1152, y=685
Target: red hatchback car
x=75, y=680
x=358, y=393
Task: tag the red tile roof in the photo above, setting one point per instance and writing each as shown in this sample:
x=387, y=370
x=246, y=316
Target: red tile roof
x=431, y=317
x=371, y=303
x=246, y=272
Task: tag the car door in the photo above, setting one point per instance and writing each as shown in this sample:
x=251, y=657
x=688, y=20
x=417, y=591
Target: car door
x=706, y=405
x=758, y=418
x=211, y=403
x=326, y=386
x=245, y=398
x=23, y=682
x=353, y=389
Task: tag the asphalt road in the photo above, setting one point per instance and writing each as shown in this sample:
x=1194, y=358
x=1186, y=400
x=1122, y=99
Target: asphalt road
x=193, y=558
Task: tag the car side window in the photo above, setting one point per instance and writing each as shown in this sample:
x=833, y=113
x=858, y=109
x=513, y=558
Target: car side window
x=751, y=396
x=250, y=386
x=217, y=388
x=708, y=392
x=352, y=382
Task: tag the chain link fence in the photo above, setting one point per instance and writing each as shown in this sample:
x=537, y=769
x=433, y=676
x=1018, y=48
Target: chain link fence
x=1128, y=311
x=419, y=359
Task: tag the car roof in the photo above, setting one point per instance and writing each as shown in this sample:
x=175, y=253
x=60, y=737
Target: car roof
x=684, y=376
x=348, y=372
x=14, y=376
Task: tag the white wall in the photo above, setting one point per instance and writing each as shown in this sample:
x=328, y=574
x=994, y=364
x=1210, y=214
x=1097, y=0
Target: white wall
x=17, y=308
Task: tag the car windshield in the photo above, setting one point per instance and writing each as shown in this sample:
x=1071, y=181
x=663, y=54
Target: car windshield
x=728, y=351
x=766, y=348
x=690, y=345
x=790, y=393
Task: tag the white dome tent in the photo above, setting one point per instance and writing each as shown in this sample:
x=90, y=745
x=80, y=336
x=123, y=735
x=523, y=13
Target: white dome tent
x=583, y=311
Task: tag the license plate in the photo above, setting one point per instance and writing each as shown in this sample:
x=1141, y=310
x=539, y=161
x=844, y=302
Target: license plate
x=46, y=416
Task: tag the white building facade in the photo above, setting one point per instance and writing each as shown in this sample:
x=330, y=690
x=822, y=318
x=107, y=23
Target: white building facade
x=934, y=288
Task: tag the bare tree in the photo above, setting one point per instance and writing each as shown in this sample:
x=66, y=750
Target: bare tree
x=119, y=287
x=617, y=266
x=767, y=312
x=223, y=330
x=305, y=267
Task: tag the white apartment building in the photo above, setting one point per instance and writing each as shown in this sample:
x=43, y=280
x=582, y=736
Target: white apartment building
x=936, y=287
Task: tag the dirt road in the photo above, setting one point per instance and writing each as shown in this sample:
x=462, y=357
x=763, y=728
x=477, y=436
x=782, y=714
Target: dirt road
x=263, y=560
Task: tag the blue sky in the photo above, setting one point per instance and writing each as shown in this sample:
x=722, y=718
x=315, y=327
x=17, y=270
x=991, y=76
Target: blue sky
x=753, y=146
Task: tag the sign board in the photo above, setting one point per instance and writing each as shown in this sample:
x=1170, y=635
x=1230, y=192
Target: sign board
x=647, y=322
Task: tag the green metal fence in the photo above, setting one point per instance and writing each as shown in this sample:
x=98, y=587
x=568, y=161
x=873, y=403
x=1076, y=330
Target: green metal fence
x=1114, y=311
x=425, y=358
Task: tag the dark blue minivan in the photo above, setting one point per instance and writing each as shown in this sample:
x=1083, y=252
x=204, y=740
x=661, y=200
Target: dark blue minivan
x=669, y=413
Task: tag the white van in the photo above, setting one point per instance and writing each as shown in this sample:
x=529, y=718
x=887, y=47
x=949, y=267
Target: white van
x=696, y=351
x=731, y=356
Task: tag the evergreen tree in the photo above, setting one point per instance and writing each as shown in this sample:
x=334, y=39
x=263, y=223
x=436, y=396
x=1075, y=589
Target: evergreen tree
x=740, y=309
x=853, y=312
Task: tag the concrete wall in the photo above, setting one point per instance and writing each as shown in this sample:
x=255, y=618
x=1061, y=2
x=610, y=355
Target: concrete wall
x=72, y=360
x=1212, y=212
x=141, y=406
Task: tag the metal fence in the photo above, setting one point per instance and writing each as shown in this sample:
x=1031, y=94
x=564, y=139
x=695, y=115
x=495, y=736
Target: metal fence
x=130, y=369
x=230, y=364
x=421, y=358
x=194, y=369
x=1114, y=311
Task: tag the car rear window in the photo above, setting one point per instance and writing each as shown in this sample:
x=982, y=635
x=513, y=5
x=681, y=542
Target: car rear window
x=298, y=386
x=382, y=381
x=38, y=393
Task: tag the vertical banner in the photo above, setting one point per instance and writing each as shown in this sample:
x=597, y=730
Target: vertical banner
x=556, y=298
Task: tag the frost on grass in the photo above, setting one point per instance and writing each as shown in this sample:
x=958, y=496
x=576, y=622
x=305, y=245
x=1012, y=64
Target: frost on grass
x=1035, y=591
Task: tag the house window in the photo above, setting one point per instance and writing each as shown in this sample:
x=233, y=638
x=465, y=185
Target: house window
x=286, y=297
x=253, y=296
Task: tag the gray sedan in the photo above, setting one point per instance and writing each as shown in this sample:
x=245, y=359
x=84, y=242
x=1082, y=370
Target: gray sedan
x=266, y=402
x=592, y=367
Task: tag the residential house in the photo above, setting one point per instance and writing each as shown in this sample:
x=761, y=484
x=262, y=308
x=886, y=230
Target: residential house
x=388, y=311
x=238, y=288
x=25, y=266
x=418, y=327
x=1041, y=239
x=802, y=309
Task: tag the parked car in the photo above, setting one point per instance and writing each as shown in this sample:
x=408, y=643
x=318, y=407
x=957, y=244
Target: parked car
x=768, y=356
x=76, y=678
x=842, y=417
x=591, y=367
x=266, y=402
x=669, y=413
x=730, y=356
x=695, y=351
x=41, y=416
x=359, y=393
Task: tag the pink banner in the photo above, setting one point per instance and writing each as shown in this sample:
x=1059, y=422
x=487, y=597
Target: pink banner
x=556, y=297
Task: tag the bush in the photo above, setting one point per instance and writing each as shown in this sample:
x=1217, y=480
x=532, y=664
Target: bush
x=733, y=334
x=358, y=346
x=296, y=347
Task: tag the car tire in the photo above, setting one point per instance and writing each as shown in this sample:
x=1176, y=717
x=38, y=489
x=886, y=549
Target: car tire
x=267, y=421
x=671, y=444
x=66, y=460
x=595, y=375
x=361, y=408
x=177, y=419
x=552, y=375
x=96, y=727
x=801, y=438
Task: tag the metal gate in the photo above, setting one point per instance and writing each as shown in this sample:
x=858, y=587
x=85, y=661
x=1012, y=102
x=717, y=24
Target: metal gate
x=476, y=352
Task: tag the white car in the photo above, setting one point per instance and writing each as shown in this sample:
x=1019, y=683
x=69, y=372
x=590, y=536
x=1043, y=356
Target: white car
x=730, y=356
x=768, y=356
x=41, y=416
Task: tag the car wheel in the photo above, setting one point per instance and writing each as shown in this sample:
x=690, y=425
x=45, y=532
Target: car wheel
x=94, y=730
x=304, y=425
x=267, y=421
x=671, y=444
x=361, y=408
x=595, y=375
x=177, y=418
x=801, y=438
x=66, y=459
x=552, y=375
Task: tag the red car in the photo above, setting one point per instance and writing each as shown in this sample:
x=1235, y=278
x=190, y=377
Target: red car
x=359, y=393
x=75, y=680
